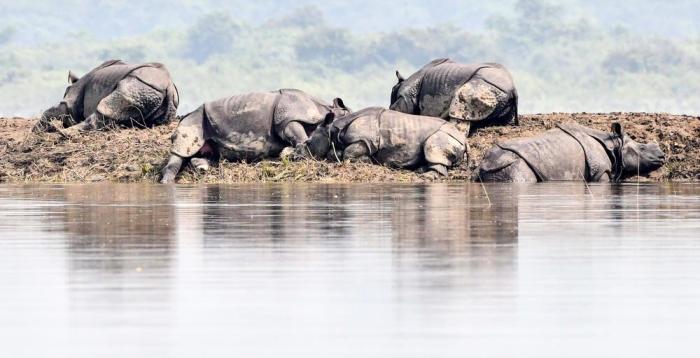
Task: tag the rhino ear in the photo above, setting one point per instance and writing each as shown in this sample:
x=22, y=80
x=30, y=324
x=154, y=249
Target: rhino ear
x=399, y=77
x=329, y=118
x=617, y=129
x=72, y=77
x=338, y=103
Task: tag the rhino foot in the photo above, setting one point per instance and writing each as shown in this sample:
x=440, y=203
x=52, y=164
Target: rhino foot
x=167, y=179
x=201, y=164
x=440, y=169
x=430, y=175
x=171, y=169
x=288, y=153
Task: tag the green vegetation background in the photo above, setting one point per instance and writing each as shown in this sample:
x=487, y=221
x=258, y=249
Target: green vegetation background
x=641, y=55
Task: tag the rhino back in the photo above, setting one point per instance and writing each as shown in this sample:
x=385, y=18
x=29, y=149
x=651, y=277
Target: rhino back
x=242, y=125
x=402, y=136
x=100, y=83
x=361, y=126
x=394, y=138
x=498, y=76
x=155, y=75
x=598, y=157
x=410, y=87
x=440, y=83
x=553, y=155
x=295, y=105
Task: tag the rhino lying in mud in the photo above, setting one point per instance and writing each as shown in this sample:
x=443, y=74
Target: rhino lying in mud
x=469, y=95
x=247, y=127
x=570, y=152
x=116, y=94
x=390, y=138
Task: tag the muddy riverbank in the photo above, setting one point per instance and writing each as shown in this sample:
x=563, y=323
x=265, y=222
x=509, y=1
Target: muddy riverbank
x=133, y=155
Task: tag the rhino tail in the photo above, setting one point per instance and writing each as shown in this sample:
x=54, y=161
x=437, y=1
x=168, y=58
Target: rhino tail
x=189, y=136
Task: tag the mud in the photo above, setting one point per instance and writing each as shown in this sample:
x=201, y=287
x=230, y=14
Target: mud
x=137, y=155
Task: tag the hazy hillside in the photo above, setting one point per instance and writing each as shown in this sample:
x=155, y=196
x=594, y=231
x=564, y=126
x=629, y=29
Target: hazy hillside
x=110, y=19
x=577, y=56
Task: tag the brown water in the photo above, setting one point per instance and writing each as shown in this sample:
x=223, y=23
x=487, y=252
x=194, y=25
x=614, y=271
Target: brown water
x=358, y=270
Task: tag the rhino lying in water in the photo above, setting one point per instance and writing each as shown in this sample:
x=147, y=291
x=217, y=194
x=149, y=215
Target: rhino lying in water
x=247, y=127
x=390, y=138
x=570, y=152
x=478, y=94
x=116, y=94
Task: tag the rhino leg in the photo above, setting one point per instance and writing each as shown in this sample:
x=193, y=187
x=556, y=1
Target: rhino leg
x=131, y=104
x=93, y=122
x=504, y=166
x=475, y=101
x=442, y=150
x=357, y=152
x=295, y=134
x=171, y=169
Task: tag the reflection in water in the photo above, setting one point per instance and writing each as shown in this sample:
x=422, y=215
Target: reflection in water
x=276, y=213
x=115, y=236
x=349, y=270
x=127, y=229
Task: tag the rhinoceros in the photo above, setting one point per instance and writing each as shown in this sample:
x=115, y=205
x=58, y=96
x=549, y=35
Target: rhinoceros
x=570, y=152
x=247, y=127
x=390, y=138
x=470, y=95
x=116, y=94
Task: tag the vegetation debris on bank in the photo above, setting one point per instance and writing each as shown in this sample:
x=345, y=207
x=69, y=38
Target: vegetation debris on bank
x=138, y=155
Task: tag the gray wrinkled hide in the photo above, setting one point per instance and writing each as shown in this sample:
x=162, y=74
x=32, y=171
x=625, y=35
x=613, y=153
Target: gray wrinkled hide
x=123, y=94
x=446, y=89
x=248, y=126
x=400, y=140
x=569, y=152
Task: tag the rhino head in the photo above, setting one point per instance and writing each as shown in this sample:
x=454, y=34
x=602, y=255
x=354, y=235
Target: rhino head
x=403, y=95
x=319, y=144
x=63, y=110
x=638, y=158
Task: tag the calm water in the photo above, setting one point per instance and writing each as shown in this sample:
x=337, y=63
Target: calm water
x=350, y=271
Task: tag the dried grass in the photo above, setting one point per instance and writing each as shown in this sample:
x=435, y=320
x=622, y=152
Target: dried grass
x=137, y=155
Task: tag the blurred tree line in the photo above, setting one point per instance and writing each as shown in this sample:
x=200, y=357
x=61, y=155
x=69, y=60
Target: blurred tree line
x=560, y=61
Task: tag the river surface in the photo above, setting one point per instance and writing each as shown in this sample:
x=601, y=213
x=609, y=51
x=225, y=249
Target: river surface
x=363, y=270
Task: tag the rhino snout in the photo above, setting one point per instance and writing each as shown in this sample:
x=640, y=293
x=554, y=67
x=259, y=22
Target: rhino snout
x=56, y=111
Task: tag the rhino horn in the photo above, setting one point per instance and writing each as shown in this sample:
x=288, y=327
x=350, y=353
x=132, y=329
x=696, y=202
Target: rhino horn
x=72, y=77
x=399, y=77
